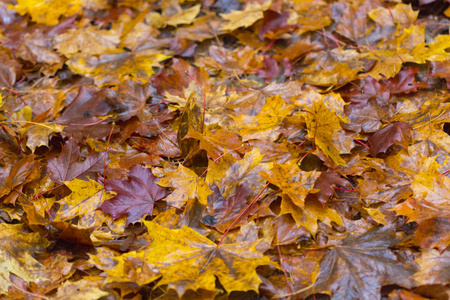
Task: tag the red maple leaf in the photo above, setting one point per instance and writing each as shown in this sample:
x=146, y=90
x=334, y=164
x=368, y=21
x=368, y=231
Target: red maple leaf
x=395, y=133
x=135, y=197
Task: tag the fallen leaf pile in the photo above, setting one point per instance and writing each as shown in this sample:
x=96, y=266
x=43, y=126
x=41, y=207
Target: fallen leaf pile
x=217, y=149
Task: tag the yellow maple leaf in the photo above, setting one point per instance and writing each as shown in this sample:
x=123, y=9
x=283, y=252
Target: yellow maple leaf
x=187, y=260
x=215, y=140
x=229, y=172
x=292, y=181
x=332, y=67
x=38, y=133
x=90, y=40
x=322, y=124
x=434, y=51
x=116, y=65
x=309, y=214
x=47, y=11
x=186, y=16
x=187, y=185
x=17, y=249
x=245, y=18
x=86, y=197
x=261, y=126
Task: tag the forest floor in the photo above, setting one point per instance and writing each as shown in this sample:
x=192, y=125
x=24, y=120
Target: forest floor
x=259, y=149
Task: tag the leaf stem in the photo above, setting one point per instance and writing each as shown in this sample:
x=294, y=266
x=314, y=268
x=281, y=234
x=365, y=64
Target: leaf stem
x=284, y=269
x=268, y=47
x=345, y=190
x=302, y=143
x=106, y=152
x=220, y=156
x=294, y=293
x=29, y=122
x=242, y=213
x=358, y=141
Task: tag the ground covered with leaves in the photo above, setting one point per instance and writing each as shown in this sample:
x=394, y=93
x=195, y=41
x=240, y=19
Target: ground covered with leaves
x=224, y=149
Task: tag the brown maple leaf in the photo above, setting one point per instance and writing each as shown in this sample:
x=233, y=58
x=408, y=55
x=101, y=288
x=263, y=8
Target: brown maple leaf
x=396, y=133
x=135, y=197
x=66, y=166
x=361, y=265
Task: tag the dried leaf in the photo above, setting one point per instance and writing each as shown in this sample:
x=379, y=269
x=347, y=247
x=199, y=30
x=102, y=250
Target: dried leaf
x=135, y=197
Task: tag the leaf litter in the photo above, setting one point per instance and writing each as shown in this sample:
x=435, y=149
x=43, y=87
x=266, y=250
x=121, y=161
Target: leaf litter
x=224, y=149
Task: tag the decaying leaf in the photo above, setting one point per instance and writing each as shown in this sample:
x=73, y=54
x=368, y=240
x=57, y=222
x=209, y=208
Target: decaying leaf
x=135, y=197
x=362, y=264
x=224, y=149
x=40, y=12
x=200, y=259
x=187, y=185
x=17, y=250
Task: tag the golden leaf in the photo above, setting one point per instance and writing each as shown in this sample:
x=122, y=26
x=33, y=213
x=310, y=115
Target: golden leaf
x=47, y=11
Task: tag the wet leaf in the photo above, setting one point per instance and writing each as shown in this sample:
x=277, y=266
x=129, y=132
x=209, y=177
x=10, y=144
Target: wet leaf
x=67, y=166
x=187, y=185
x=38, y=9
x=200, y=259
x=17, y=250
x=135, y=197
x=358, y=267
x=396, y=133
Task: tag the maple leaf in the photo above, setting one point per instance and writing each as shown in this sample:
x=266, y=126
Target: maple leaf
x=310, y=213
x=431, y=212
x=404, y=82
x=17, y=250
x=203, y=27
x=271, y=68
x=322, y=123
x=187, y=185
x=184, y=16
x=66, y=167
x=15, y=175
x=201, y=260
x=8, y=71
x=87, y=288
x=225, y=211
x=361, y=265
x=434, y=267
x=293, y=182
x=37, y=48
x=90, y=40
x=135, y=197
x=263, y=124
x=215, y=140
x=275, y=25
x=86, y=197
x=287, y=231
x=239, y=61
x=432, y=51
x=245, y=18
x=113, y=66
x=38, y=134
x=326, y=183
x=229, y=172
x=333, y=67
x=384, y=182
x=40, y=12
x=360, y=94
x=396, y=133
x=401, y=13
